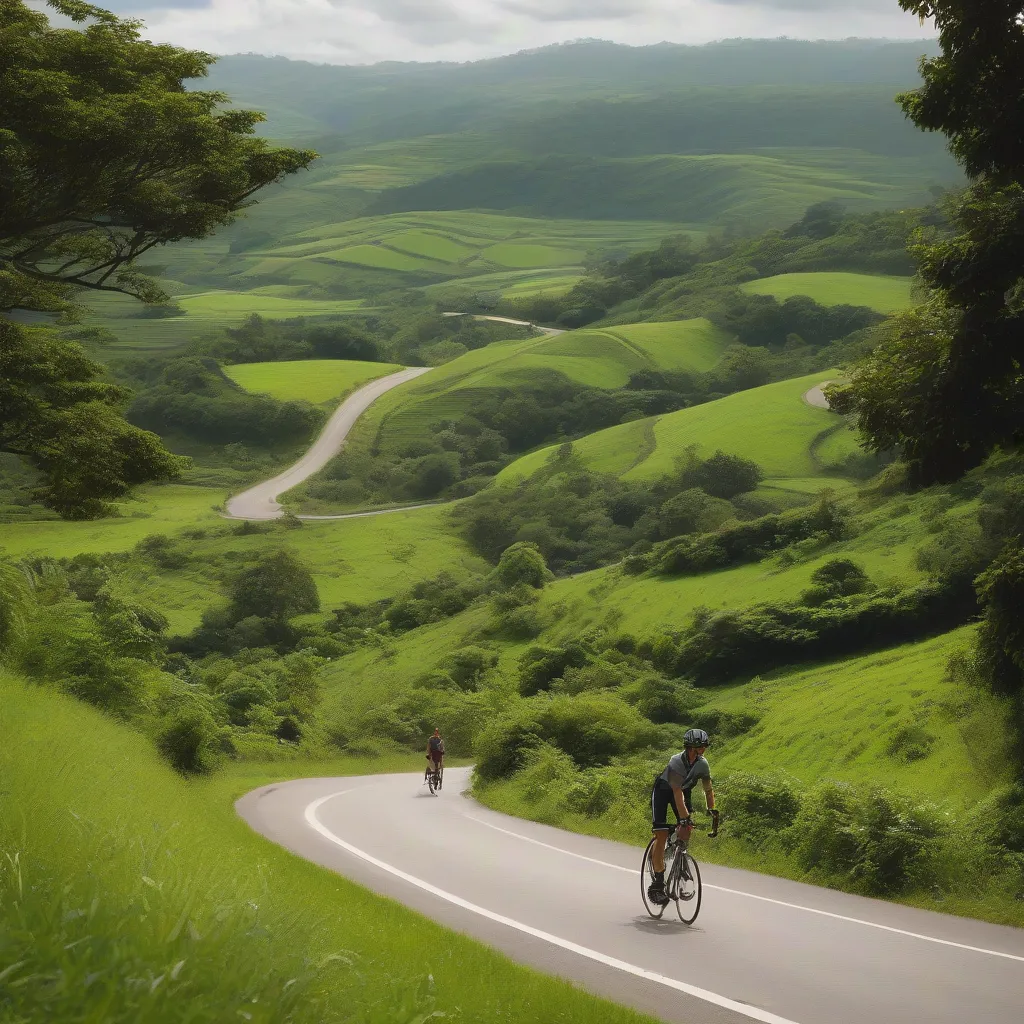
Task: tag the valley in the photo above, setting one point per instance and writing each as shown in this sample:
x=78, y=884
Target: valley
x=563, y=402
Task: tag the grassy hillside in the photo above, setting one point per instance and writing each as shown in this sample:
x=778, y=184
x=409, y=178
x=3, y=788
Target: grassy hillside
x=771, y=425
x=352, y=560
x=130, y=894
x=315, y=380
x=882, y=294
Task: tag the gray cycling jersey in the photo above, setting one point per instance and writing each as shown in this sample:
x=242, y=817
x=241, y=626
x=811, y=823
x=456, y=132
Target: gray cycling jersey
x=685, y=775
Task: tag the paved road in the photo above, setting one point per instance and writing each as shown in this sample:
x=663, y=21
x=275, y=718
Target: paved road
x=260, y=502
x=762, y=949
x=508, y=320
x=816, y=396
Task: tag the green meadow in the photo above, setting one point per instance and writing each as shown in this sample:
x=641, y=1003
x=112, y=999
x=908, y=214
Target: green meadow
x=882, y=294
x=771, y=425
x=315, y=380
x=129, y=893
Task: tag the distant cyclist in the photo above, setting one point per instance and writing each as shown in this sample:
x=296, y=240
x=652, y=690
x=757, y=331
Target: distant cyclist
x=673, y=788
x=435, y=751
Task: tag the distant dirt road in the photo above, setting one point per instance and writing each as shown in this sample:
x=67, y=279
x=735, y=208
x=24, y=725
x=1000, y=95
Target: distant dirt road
x=260, y=502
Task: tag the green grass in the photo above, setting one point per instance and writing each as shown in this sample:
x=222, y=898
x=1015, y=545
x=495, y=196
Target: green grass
x=518, y=255
x=594, y=358
x=770, y=425
x=883, y=294
x=127, y=893
x=218, y=304
x=315, y=380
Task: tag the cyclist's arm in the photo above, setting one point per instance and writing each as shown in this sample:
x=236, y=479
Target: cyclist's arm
x=709, y=794
x=680, y=798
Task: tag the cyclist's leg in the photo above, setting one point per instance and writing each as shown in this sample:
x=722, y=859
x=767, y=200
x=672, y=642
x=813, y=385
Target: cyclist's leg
x=661, y=800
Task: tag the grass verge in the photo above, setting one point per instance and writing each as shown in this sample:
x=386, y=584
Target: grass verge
x=129, y=894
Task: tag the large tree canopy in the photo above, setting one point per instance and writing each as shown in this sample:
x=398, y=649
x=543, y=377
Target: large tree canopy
x=947, y=385
x=104, y=154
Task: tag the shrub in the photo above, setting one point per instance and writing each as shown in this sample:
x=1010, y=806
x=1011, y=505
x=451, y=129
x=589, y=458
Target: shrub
x=873, y=839
x=521, y=564
x=277, y=586
x=189, y=741
x=539, y=666
x=759, y=808
x=593, y=728
x=502, y=745
x=724, y=476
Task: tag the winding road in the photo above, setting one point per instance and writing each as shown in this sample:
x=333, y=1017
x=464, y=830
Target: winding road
x=763, y=948
x=260, y=502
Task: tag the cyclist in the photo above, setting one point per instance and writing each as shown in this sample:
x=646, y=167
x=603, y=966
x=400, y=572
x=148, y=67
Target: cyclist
x=435, y=752
x=673, y=788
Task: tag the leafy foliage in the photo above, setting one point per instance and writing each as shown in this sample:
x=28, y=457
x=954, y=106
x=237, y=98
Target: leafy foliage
x=105, y=154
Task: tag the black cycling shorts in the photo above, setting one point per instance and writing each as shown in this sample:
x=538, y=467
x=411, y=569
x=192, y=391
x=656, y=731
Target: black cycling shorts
x=662, y=798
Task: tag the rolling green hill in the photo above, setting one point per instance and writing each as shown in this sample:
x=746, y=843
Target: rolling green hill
x=315, y=380
x=882, y=294
x=771, y=425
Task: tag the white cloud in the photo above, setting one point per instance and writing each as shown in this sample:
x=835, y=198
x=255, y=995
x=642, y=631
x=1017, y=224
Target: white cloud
x=363, y=31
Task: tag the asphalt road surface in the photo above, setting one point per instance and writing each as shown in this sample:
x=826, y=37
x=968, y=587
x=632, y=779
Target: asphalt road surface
x=816, y=396
x=762, y=949
x=260, y=502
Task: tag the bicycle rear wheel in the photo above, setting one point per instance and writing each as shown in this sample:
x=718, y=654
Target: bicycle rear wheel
x=646, y=879
x=685, y=887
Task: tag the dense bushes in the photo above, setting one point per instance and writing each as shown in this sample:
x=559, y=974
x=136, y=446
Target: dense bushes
x=580, y=520
x=264, y=341
x=751, y=541
x=193, y=397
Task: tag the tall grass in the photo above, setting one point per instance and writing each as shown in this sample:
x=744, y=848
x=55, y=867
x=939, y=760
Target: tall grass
x=127, y=895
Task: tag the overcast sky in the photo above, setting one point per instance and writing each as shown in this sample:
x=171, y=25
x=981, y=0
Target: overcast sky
x=364, y=31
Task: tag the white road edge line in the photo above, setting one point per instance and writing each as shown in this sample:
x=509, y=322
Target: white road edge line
x=591, y=954
x=766, y=899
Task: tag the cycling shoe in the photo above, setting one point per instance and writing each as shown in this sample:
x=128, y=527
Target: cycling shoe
x=656, y=894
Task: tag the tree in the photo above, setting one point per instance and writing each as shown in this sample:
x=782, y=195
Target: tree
x=521, y=564
x=277, y=586
x=58, y=414
x=947, y=384
x=105, y=154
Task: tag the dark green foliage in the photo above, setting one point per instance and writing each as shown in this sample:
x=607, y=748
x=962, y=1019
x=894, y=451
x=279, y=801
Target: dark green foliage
x=189, y=741
x=278, y=586
x=751, y=541
x=758, y=807
x=724, y=476
x=501, y=746
x=107, y=153
x=875, y=840
x=839, y=577
x=947, y=388
x=58, y=413
x=593, y=728
x=430, y=600
x=263, y=341
x=540, y=666
x=194, y=398
x=521, y=564
x=720, y=646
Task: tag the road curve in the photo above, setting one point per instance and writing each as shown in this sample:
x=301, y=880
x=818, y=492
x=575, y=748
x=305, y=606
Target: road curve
x=763, y=948
x=260, y=502
x=816, y=396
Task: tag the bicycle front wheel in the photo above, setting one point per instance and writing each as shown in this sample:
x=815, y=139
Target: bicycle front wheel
x=646, y=879
x=431, y=781
x=686, y=887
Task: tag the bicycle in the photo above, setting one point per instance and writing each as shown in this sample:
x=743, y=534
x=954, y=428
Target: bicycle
x=682, y=879
x=434, y=777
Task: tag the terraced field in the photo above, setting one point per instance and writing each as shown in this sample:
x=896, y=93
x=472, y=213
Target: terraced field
x=771, y=425
x=883, y=294
x=314, y=380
